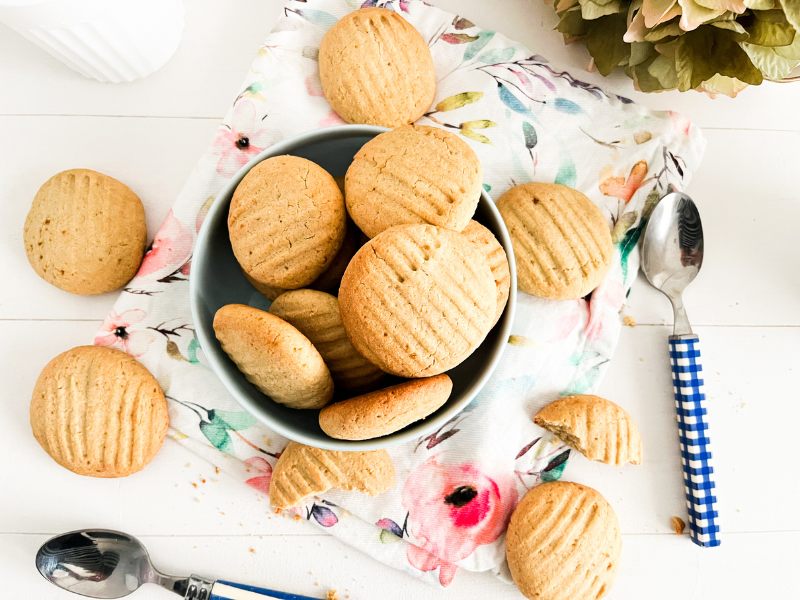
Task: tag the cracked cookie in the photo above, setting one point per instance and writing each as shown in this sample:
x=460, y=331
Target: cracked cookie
x=413, y=174
x=562, y=242
x=416, y=300
x=286, y=222
x=85, y=232
x=375, y=68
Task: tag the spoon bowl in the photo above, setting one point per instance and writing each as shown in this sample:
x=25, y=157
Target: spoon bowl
x=672, y=253
x=99, y=563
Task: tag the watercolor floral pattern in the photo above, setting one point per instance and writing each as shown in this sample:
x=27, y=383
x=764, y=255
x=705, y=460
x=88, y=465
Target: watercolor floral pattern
x=527, y=120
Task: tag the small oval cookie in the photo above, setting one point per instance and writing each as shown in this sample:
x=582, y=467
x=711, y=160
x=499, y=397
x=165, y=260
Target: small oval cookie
x=97, y=411
x=497, y=259
x=562, y=242
x=316, y=315
x=413, y=174
x=375, y=68
x=85, y=232
x=563, y=543
x=595, y=427
x=385, y=411
x=303, y=471
x=274, y=356
x=416, y=300
x=286, y=221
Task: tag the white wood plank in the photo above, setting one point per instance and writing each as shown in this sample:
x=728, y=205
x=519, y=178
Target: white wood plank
x=656, y=567
x=748, y=197
x=745, y=432
x=152, y=156
x=219, y=41
x=752, y=417
x=221, y=38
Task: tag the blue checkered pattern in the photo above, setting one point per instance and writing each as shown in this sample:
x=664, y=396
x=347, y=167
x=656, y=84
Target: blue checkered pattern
x=698, y=474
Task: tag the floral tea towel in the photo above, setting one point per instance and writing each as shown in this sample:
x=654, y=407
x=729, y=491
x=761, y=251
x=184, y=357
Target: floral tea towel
x=528, y=121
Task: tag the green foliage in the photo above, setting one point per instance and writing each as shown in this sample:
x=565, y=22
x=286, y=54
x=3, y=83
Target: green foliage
x=716, y=46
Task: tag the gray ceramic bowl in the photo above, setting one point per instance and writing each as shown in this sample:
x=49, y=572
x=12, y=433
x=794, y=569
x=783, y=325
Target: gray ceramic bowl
x=217, y=280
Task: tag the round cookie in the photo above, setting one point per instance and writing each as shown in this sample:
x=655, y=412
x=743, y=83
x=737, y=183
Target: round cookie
x=316, y=315
x=286, y=221
x=385, y=411
x=563, y=542
x=416, y=300
x=413, y=174
x=375, y=68
x=595, y=427
x=274, y=356
x=97, y=411
x=85, y=232
x=497, y=259
x=562, y=242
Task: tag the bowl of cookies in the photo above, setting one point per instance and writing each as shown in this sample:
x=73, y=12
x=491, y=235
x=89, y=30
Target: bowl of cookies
x=352, y=287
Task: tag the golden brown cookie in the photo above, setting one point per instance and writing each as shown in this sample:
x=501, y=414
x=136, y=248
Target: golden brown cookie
x=303, y=471
x=316, y=315
x=497, y=259
x=330, y=279
x=375, y=68
x=595, y=427
x=416, y=300
x=286, y=221
x=85, y=232
x=563, y=543
x=269, y=292
x=413, y=174
x=385, y=411
x=562, y=242
x=274, y=356
x=97, y=411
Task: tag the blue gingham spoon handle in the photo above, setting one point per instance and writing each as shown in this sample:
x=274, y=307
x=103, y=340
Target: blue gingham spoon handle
x=698, y=473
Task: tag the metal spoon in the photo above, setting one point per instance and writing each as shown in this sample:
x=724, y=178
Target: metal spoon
x=101, y=563
x=671, y=258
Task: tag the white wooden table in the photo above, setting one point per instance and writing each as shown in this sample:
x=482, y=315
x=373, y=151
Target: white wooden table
x=745, y=306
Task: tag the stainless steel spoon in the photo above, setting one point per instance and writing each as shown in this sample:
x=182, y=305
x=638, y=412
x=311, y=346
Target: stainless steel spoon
x=671, y=258
x=101, y=563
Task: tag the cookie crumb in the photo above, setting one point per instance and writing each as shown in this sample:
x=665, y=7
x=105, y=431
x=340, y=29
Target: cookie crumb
x=251, y=550
x=678, y=525
x=217, y=470
x=297, y=517
x=628, y=321
x=194, y=485
x=332, y=595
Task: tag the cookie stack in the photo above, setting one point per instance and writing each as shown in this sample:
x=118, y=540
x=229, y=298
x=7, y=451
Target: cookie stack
x=391, y=279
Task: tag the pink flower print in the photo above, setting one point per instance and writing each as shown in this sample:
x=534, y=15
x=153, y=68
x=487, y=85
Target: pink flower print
x=330, y=120
x=240, y=141
x=313, y=85
x=116, y=332
x=623, y=188
x=452, y=511
x=608, y=296
x=261, y=466
x=171, y=248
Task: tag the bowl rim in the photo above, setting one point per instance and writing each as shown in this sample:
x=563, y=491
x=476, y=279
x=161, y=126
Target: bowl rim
x=214, y=354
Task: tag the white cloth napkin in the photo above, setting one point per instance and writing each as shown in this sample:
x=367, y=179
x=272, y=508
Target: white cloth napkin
x=527, y=120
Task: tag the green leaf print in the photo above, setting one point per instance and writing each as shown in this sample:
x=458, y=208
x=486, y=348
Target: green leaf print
x=498, y=55
x=237, y=420
x=458, y=100
x=194, y=346
x=216, y=432
x=566, y=173
x=484, y=37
